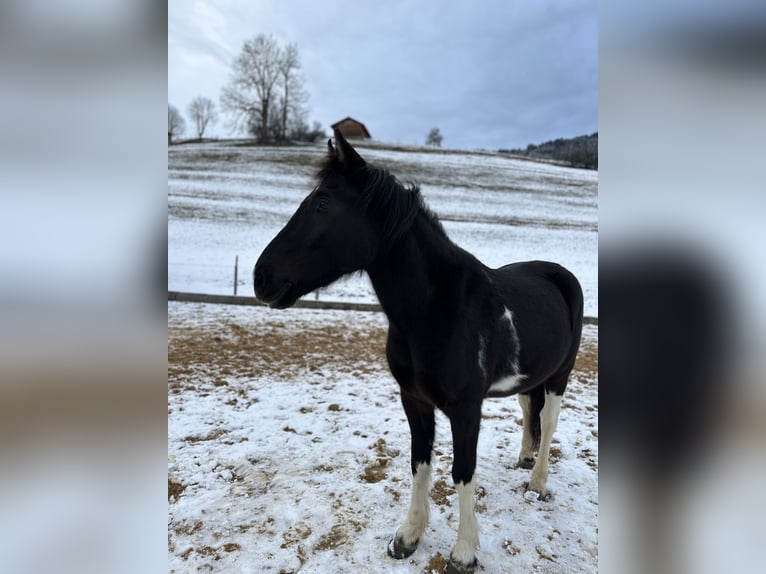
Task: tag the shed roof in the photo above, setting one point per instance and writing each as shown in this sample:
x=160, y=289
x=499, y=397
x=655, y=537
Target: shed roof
x=338, y=124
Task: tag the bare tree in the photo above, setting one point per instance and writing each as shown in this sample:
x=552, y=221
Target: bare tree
x=176, y=123
x=294, y=96
x=202, y=112
x=249, y=95
x=266, y=93
x=434, y=138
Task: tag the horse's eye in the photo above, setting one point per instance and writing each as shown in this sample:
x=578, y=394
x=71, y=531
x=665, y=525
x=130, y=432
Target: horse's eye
x=323, y=203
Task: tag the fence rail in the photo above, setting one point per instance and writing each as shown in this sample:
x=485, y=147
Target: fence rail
x=300, y=303
x=240, y=300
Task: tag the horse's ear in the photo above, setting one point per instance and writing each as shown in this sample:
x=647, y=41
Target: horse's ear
x=345, y=153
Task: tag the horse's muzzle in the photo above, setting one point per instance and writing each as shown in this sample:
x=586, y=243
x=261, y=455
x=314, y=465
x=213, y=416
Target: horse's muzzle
x=278, y=295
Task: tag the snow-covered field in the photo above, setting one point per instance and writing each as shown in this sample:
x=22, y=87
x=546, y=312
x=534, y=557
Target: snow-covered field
x=226, y=200
x=288, y=448
x=289, y=452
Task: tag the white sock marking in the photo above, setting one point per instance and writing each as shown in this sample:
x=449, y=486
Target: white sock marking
x=464, y=551
x=418, y=514
x=549, y=418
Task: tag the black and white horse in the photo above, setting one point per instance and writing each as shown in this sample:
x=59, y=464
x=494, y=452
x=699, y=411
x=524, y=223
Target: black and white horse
x=459, y=332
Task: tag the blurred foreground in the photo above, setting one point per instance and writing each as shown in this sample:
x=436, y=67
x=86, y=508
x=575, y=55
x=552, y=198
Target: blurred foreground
x=82, y=282
x=682, y=304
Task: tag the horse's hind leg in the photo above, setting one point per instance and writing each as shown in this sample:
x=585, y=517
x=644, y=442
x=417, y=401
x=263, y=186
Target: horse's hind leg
x=531, y=405
x=549, y=417
x=548, y=420
x=421, y=419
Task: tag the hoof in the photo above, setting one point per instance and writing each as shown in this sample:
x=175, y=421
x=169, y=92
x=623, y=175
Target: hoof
x=527, y=463
x=533, y=494
x=454, y=567
x=397, y=549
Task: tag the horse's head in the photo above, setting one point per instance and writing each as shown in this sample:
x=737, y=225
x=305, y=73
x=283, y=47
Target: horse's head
x=331, y=234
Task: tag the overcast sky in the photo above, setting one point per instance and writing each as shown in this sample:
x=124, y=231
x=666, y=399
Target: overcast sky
x=491, y=74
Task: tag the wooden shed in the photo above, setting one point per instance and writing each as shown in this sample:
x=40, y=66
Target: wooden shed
x=351, y=128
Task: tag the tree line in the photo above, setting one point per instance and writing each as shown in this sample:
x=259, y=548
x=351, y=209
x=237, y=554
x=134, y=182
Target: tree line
x=265, y=96
x=580, y=151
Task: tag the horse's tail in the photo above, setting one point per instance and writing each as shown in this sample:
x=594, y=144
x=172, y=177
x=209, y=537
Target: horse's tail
x=536, y=404
x=572, y=291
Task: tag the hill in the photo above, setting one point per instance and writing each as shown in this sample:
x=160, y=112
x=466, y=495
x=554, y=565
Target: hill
x=581, y=151
x=227, y=200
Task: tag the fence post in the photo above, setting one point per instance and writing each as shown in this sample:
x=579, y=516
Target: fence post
x=236, y=270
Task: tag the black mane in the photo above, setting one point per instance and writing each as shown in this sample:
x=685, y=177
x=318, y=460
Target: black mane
x=385, y=197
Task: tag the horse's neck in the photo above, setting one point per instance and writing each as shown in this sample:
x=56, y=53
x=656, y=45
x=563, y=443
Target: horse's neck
x=417, y=274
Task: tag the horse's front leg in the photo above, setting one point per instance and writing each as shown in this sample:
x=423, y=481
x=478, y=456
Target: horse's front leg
x=421, y=418
x=465, y=435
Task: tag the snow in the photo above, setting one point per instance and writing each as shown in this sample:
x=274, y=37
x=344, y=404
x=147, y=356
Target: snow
x=297, y=459
x=226, y=200
x=288, y=449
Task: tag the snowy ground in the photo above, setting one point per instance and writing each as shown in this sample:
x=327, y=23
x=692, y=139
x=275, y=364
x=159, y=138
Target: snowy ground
x=289, y=452
x=227, y=200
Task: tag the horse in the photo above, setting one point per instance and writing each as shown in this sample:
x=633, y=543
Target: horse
x=459, y=331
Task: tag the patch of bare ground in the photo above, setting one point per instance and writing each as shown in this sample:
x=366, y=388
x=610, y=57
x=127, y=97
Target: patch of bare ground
x=294, y=537
x=545, y=554
x=395, y=494
x=296, y=533
x=212, y=435
x=586, y=364
x=589, y=457
x=441, y=492
x=336, y=537
x=187, y=527
x=210, y=551
x=510, y=547
x=175, y=489
x=376, y=471
x=226, y=351
x=436, y=564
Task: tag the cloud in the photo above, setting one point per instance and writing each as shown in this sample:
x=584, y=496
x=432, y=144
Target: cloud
x=489, y=75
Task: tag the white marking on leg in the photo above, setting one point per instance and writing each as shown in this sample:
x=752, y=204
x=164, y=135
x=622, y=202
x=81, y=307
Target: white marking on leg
x=418, y=514
x=464, y=551
x=549, y=418
x=527, y=440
